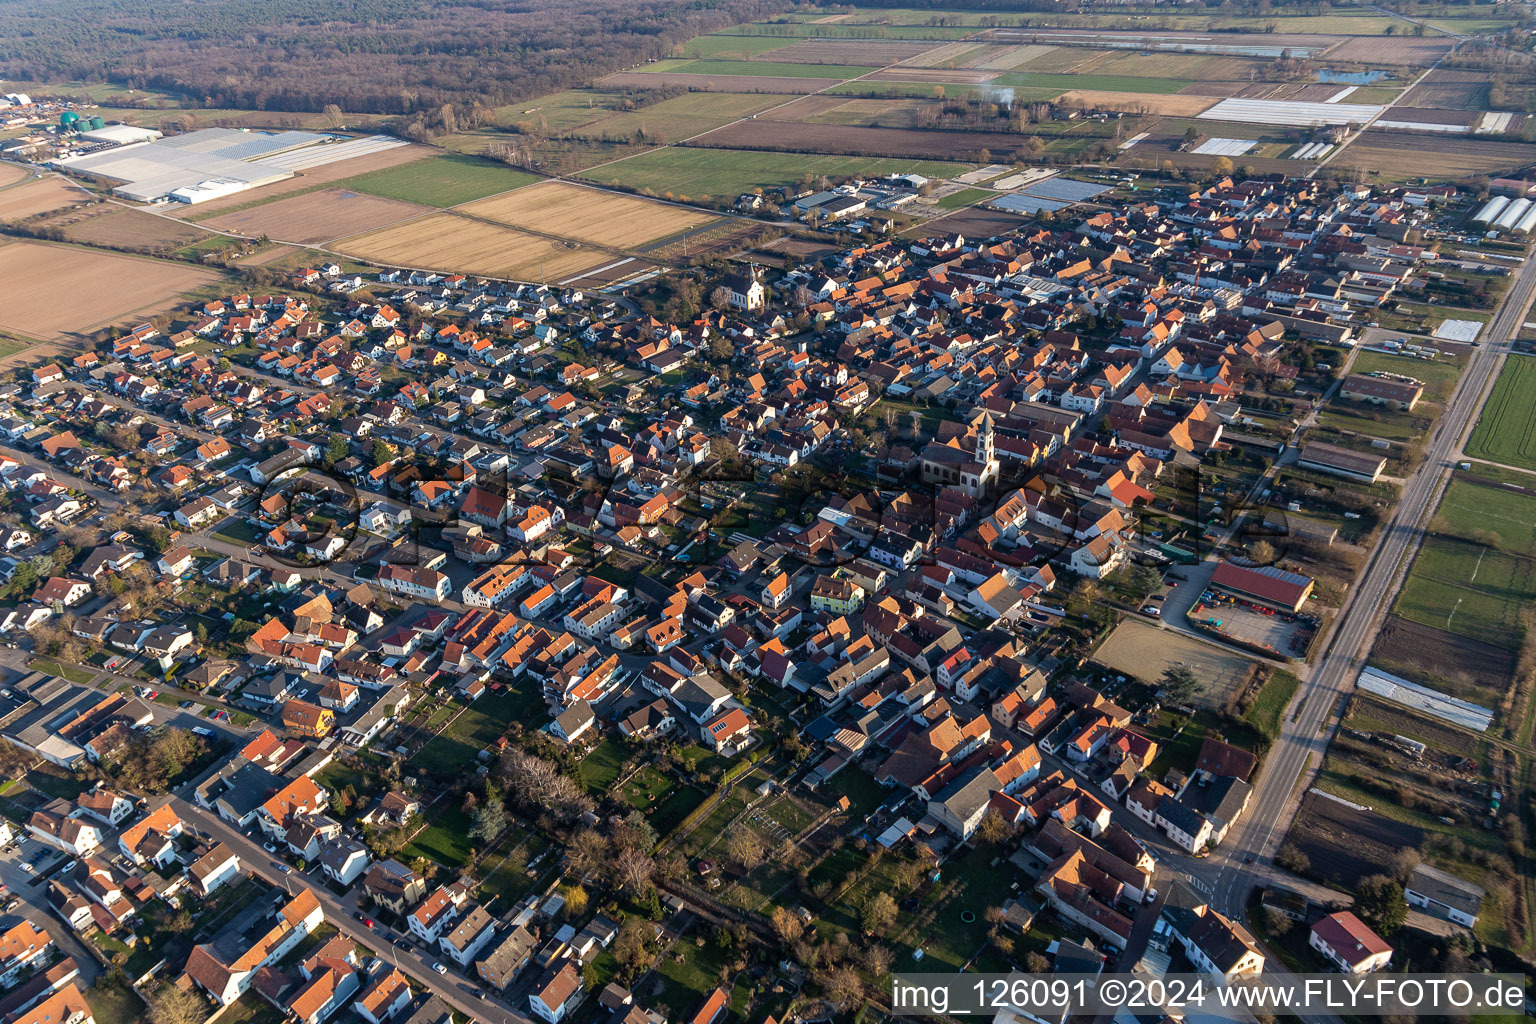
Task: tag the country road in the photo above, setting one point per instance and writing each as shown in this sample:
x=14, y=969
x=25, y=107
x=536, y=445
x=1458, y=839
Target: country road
x=1309, y=722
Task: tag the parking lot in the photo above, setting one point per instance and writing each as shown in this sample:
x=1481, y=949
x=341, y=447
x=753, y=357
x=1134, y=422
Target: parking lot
x=1285, y=634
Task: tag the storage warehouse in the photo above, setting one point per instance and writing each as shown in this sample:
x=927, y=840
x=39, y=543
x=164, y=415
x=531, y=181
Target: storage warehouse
x=1330, y=458
x=1266, y=585
x=1400, y=393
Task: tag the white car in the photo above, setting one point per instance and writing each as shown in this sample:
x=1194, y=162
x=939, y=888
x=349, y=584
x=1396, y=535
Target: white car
x=439, y=968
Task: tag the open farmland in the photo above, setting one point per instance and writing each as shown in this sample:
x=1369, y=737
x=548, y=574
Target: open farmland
x=1145, y=652
x=442, y=181
x=1400, y=157
x=720, y=83
x=40, y=196
x=681, y=117
x=307, y=180
x=58, y=289
x=446, y=241
x=720, y=172
x=1345, y=845
x=768, y=68
x=1177, y=105
x=10, y=174
x=588, y=215
x=118, y=228
x=1506, y=430
x=855, y=53
x=1458, y=665
x=317, y=216
x=857, y=140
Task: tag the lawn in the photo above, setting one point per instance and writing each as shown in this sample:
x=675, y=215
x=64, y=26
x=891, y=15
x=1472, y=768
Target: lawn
x=1438, y=375
x=699, y=173
x=965, y=197
x=53, y=668
x=1265, y=713
x=446, y=840
x=672, y=811
x=237, y=531
x=601, y=767
x=476, y=728
x=863, y=792
x=1506, y=430
x=440, y=181
x=114, y=1003
x=1343, y=414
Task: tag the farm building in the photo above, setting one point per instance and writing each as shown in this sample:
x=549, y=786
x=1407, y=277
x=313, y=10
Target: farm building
x=1266, y=585
x=1401, y=393
x=1444, y=895
x=1330, y=458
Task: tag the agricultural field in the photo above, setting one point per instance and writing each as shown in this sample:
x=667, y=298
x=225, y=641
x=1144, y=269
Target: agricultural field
x=448, y=242
x=852, y=140
x=10, y=174
x=41, y=196
x=1344, y=845
x=1177, y=105
x=1477, y=570
x=1459, y=665
x=317, y=216
x=441, y=181
x=1145, y=652
x=723, y=46
x=681, y=117
x=588, y=215
x=1388, y=157
x=59, y=289
x=1506, y=430
x=770, y=69
x=863, y=53
x=117, y=228
x=702, y=173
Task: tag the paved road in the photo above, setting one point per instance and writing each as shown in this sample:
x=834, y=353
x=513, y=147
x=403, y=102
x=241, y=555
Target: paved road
x=462, y=995
x=1306, y=728
x=28, y=887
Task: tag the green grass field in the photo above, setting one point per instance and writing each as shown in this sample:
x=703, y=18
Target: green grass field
x=440, y=181
x=1107, y=83
x=1507, y=518
x=718, y=172
x=681, y=117
x=1506, y=430
x=762, y=68
x=1265, y=713
x=473, y=730
x=1439, y=376
x=601, y=767
x=965, y=197
x=1469, y=588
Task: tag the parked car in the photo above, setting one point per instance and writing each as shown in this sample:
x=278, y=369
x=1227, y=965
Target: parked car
x=439, y=968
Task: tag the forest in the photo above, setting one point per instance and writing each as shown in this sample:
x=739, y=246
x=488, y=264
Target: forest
x=365, y=56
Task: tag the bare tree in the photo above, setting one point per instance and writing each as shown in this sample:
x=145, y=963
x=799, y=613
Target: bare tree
x=172, y=1005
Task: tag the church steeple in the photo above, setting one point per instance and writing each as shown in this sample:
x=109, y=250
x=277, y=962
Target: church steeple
x=986, y=451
